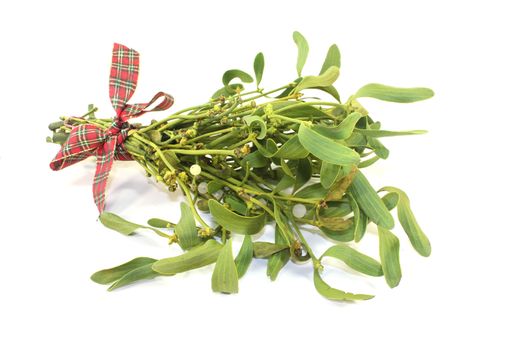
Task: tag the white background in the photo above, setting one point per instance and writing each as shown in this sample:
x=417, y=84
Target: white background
x=464, y=178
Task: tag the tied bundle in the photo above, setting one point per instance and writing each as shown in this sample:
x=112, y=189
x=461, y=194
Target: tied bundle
x=251, y=158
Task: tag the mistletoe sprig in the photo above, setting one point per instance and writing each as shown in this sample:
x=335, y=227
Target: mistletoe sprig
x=253, y=157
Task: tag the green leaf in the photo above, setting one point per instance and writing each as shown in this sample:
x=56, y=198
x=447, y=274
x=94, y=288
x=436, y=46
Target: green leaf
x=406, y=217
x=291, y=149
x=389, y=253
x=380, y=150
x=369, y=201
x=278, y=260
x=386, y=133
x=326, y=149
x=338, y=189
x=141, y=273
x=214, y=186
x=361, y=227
x=231, y=74
x=368, y=162
x=111, y=275
x=258, y=67
x=263, y=250
x=329, y=173
x=192, y=259
x=355, y=260
x=237, y=204
x=256, y=120
x=350, y=232
x=335, y=294
x=394, y=94
x=390, y=199
x=335, y=223
x=225, y=278
x=186, y=229
x=304, y=173
x=255, y=160
x=245, y=256
x=160, y=223
x=314, y=191
x=115, y=222
x=247, y=225
x=302, y=47
x=298, y=109
x=227, y=90
x=341, y=131
x=285, y=182
x=314, y=81
x=331, y=90
x=333, y=58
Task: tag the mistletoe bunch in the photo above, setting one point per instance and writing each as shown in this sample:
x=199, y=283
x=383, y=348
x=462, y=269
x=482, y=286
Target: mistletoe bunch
x=253, y=157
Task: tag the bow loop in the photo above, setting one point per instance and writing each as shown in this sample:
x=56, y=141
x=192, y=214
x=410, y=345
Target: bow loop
x=135, y=110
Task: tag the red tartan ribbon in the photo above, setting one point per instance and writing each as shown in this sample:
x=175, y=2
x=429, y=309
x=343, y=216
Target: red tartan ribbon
x=107, y=145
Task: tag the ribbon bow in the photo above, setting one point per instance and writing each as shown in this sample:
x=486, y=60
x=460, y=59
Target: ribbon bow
x=107, y=144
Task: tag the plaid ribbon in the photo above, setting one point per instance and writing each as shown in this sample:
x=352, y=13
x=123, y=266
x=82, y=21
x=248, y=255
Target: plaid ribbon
x=107, y=144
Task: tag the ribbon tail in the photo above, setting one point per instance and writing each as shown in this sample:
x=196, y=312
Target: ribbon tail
x=105, y=157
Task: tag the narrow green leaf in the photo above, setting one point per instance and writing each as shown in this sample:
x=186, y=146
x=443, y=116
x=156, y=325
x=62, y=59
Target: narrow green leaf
x=302, y=47
x=341, y=131
x=285, y=182
x=333, y=58
x=231, y=74
x=312, y=192
x=255, y=160
x=115, y=222
x=331, y=90
x=406, y=217
x=386, y=133
x=329, y=173
x=112, y=274
x=380, y=150
x=304, y=173
x=186, y=229
x=338, y=189
x=314, y=81
x=258, y=67
x=390, y=199
x=368, y=162
x=335, y=294
x=291, y=149
x=226, y=91
x=256, y=120
x=245, y=256
x=192, y=259
x=355, y=260
x=214, y=186
x=352, y=231
x=298, y=109
x=247, y=225
x=278, y=260
x=262, y=250
x=389, y=253
x=160, y=223
x=369, y=201
x=361, y=227
x=326, y=149
x=225, y=278
x=237, y=204
x=139, y=274
x=394, y=94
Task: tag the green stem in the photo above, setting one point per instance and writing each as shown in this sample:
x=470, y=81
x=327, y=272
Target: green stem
x=192, y=203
